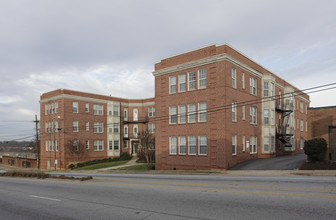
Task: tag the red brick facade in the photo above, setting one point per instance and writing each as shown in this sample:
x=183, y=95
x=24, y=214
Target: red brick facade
x=228, y=78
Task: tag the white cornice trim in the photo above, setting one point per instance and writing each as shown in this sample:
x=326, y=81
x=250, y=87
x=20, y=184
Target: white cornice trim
x=205, y=61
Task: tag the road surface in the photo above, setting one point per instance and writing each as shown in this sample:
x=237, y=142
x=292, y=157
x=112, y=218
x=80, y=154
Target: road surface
x=146, y=196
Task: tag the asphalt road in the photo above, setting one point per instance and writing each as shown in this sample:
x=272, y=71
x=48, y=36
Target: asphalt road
x=129, y=196
x=277, y=163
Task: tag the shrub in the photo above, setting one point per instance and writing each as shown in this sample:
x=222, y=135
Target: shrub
x=315, y=149
x=125, y=156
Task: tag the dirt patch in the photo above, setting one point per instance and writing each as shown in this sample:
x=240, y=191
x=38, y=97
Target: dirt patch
x=319, y=165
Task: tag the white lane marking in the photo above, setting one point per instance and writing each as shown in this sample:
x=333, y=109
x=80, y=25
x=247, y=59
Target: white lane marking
x=41, y=197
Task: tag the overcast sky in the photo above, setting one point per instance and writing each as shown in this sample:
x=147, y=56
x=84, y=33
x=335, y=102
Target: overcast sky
x=110, y=47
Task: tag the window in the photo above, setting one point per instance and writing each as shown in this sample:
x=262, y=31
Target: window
x=125, y=144
x=151, y=128
x=243, y=144
x=47, y=146
x=87, y=144
x=172, y=115
x=272, y=117
x=272, y=144
x=253, y=115
x=56, y=126
x=243, y=112
x=116, y=110
x=135, y=114
x=234, y=144
x=272, y=90
x=125, y=131
x=56, y=107
x=110, y=127
x=172, y=145
x=56, y=145
x=75, y=145
x=202, y=145
x=182, y=114
x=109, y=109
x=182, y=145
x=253, y=144
x=98, y=109
x=46, y=127
x=125, y=114
x=202, y=81
x=46, y=109
x=87, y=126
x=151, y=111
x=135, y=131
x=265, y=89
x=243, y=80
x=191, y=113
x=75, y=126
x=87, y=107
x=110, y=145
x=50, y=145
x=192, y=145
x=116, y=128
x=116, y=145
x=74, y=107
x=202, y=112
x=234, y=82
x=253, y=86
x=301, y=143
x=49, y=107
x=182, y=82
x=98, y=145
x=172, y=84
x=98, y=127
x=266, y=116
x=191, y=80
x=234, y=111
x=301, y=125
x=279, y=99
x=301, y=107
x=266, y=144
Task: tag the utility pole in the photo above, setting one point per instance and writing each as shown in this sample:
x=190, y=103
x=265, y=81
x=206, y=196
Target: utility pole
x=37, y=143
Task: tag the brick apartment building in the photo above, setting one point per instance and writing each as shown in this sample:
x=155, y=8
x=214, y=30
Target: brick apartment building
x=322, y=124
x=214, y=107
x=90, y=126
x=223, y=109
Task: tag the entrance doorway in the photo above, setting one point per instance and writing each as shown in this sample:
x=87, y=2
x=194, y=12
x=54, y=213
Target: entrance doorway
x=134, y=148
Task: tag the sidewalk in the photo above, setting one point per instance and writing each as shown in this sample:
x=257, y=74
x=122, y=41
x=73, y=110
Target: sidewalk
x=132, y=162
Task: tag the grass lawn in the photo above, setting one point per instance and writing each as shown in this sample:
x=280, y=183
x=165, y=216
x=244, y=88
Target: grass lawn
x=103, y=165
x=135, y=167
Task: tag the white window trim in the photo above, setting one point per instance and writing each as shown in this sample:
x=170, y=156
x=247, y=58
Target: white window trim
x=170, y=85
x=189, y=137
x=199, y=145
x=189, y=89
x=200, y=111
x=199, y=79
x=179, y=83
x=179, y=144
x=170, y=145
x=234, y=139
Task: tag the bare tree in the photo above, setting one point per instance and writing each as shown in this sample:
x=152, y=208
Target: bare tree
x=75, y=148
x=147, y=146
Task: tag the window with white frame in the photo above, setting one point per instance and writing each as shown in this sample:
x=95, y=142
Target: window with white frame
x=110, y=145
x=110, y=127
x=253, y=86
x=202, y=79
x=301, y=107
x=46, y=109
x=47, y=127
x=135, y=114
x=253, y=144
x=135, y=131
x=272, y=90
x=98, y=145
x=172, y=84
x=87, y=144
x=191, y=81
x=301, y=143
x=202, y=145
x=182, y=145
x=234, y=111
x=75, y=126
x=192, y=113
x=115, y=110
x=202, y=112
x=125, y=114
x=266, y=116
x=87, y=107
x=151, y=111
x=98, y=109
x=109, y=109
x=253, y=115
x=266, y=144
x=125, y=144
x=151, y=128
x=234, y=144
x=47, y=146
x=56, y=143
x=49, y=107
x=172, y=115
x=243, y=80
x=243, y=143
x=266, y=89
x=56, y=107
x=182, y=82
x=192, y=145
x=116, y=145
x=272, y=117
x=126, y=131
x=74, y=107
x=172, y=145
x=272, y=144
x=87, y=126
x=301, y=125
x=182, y=114
x=116, y=128
x=52, y=108
x=50, y=145
x=243, y=112
x=98, y=127
x=234, y=81
x=75, y=144
x=56, y=126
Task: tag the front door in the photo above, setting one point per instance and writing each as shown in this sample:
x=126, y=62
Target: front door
x=135, y=146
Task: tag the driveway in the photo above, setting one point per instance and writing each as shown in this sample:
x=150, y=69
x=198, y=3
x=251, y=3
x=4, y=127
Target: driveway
x=277, y=163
